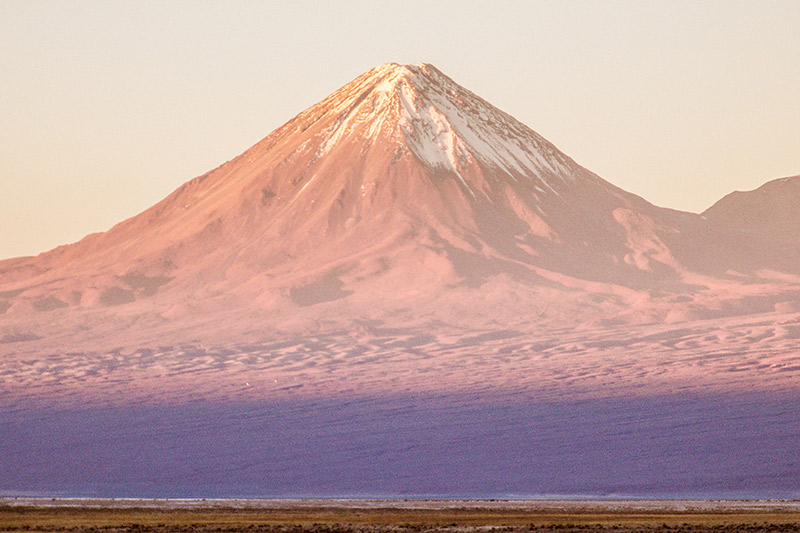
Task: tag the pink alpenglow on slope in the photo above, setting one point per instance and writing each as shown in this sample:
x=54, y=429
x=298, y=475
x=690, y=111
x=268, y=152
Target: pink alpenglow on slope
x=407, y=246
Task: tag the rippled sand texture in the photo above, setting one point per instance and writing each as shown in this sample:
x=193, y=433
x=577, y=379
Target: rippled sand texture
x=734, y=355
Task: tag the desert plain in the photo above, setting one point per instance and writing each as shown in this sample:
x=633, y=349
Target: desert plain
x=396, y=516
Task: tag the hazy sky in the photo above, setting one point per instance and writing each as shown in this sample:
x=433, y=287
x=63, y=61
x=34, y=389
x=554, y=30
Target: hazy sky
x=106, y=107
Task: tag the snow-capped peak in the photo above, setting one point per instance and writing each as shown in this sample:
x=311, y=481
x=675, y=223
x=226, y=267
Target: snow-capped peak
x=444, y=124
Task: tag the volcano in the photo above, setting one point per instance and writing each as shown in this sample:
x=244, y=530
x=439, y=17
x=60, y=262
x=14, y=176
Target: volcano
x=401, y=199
x=405, y=291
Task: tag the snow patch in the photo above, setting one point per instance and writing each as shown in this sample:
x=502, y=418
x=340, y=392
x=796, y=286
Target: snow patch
x=445, y=125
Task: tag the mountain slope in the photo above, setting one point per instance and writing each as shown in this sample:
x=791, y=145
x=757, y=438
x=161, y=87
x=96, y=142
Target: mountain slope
x=402, y=198
x=762, y=225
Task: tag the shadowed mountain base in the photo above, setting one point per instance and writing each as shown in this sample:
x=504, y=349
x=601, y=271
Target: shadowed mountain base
x=736, y=446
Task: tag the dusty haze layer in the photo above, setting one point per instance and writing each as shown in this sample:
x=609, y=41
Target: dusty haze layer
x=405, y=245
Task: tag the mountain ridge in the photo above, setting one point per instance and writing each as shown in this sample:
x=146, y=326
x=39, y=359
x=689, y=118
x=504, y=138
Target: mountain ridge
x=401, y=193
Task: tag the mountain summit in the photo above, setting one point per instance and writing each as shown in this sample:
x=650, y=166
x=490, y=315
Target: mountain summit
x=400, y=199
x=418, y=109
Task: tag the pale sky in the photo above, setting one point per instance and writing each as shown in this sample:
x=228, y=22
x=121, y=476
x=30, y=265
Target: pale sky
x=106, y=107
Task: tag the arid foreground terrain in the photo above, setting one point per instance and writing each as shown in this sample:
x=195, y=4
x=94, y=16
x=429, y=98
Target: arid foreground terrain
x=396, y=516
